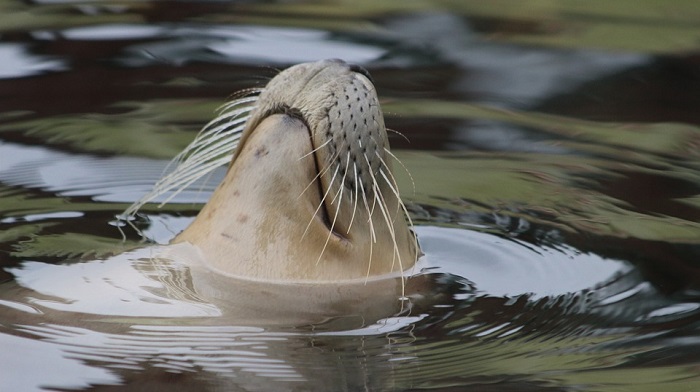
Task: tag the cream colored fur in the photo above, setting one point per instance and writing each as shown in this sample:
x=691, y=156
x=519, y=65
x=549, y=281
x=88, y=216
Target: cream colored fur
x=266, y=219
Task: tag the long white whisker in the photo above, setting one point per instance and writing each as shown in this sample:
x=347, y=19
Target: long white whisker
x=389, y=223
x=398, y=133
x=315, y=149
x=394, y=188
x=345, y=173
x=356, y=191
x=402, y=206
x=212, y=147
x=222, y=147
x=371, y=230
x=318, y=175
x=322, y=172
x=337, y=210
x=404, y=167
x=321, y=202
x=204, y=142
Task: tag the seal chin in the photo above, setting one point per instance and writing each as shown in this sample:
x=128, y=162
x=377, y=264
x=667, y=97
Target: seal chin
x=309, y=195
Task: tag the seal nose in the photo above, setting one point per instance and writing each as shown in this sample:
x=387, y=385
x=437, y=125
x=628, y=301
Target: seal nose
x=361, y=70
x=352, y=67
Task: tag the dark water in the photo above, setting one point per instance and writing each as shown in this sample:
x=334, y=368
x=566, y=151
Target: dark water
x=554, y=149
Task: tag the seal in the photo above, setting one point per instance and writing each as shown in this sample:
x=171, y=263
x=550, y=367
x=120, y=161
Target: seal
x=309, y=194
x=306, y=230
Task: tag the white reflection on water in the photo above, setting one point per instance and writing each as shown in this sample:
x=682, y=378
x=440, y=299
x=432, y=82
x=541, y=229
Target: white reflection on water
x=292, y=46
x=130, y=284
x=249, y=45
x=63, y=354
x=505, y=268
x=43, y=365
x=16, y=61
x=107, y=179
x=112, y=32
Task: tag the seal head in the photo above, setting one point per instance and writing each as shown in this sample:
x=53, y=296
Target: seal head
x=309, y=195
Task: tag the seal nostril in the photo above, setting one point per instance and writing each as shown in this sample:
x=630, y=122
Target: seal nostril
x=362, y=71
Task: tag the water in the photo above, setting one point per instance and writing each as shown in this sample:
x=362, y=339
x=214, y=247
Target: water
x=553, y=149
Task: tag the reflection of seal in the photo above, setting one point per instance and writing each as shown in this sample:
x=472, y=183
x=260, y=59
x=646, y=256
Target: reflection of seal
x=309, y=195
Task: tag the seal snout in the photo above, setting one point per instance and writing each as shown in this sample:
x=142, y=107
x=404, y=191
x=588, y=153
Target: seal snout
x=355, y=134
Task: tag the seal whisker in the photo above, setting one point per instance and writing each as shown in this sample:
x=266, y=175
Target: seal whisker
x=340, y=186
x=218, y=147
x=355, y=192
x=177, y=179
x=392, y=233
x=313, y=180
x=217, y=130
x=398, y=133
x=212, y=147
x=403, y=166
x=370, y=212
x=323, y=198
x=316, y=178
x=394, y=189
x=230, y=116
x=320, y=204
x=341, y=181
x=391, y=186
x=373, y=237
x=221, y=144
x=402, y=206
x=236, y=97
x=229, y=112
x=387, y=219
x=183, y=180
x=315, y=149
x=389, y=223
x=335, y=217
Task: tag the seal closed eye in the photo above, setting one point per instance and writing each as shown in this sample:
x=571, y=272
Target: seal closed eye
x=309, y=195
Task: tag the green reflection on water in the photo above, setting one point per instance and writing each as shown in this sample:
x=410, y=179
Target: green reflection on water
x=153, y=129
x=564, y=185
x=536, y=183
x=71, y=246
x=653, y=26
x=649, y=26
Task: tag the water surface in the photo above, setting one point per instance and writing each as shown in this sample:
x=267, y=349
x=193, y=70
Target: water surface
x=554, y=159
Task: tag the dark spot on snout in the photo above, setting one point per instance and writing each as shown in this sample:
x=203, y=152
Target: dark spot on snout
x=261, y=152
